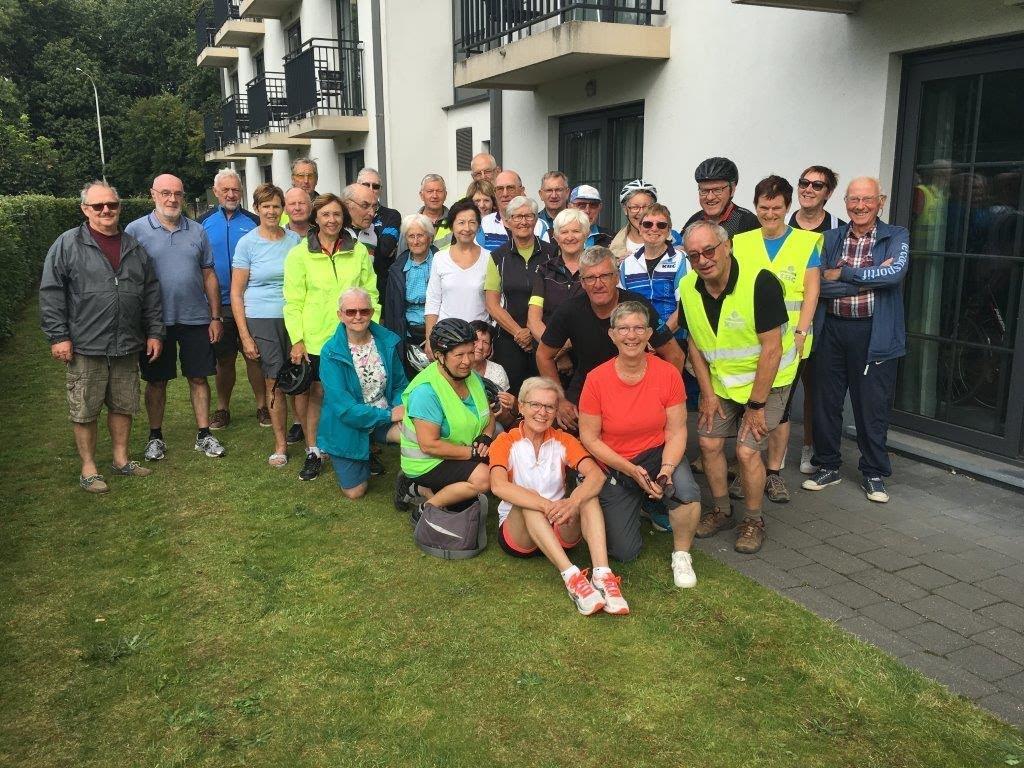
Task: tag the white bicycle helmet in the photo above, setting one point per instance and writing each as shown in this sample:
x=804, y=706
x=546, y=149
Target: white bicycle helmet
x=638, y=185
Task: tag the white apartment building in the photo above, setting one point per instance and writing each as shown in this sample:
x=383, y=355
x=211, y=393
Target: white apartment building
x=928, y=95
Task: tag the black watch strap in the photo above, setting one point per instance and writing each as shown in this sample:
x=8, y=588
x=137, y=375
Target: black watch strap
x=754, y=405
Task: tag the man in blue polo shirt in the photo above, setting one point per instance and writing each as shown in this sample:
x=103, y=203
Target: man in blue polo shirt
x=179, y=250
x=225, y=226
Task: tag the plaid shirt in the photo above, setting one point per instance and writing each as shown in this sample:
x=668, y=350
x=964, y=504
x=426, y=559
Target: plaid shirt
x=856, y=253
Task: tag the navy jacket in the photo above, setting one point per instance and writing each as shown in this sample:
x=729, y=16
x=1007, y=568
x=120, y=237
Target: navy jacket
x=393, y=307
x=888, y=330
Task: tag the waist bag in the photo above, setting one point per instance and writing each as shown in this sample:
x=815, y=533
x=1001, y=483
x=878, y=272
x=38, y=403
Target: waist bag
x=452, y=535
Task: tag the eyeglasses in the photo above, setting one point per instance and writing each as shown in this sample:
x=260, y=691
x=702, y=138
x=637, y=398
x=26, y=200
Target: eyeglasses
x=595, y=279
x=166, y=193
x=633, y=210
x=661, y=225
x=114, y=205
x=372, y=185
x=708, y=253
x=361, y=312
x=303, y=175
x=712, y=191
x=817, y=186
x=522, y=218
x=625, y=330
x=554, y=190
x=365, y=206
x=507, y=188
x=540, y=406
x=586, y=204
x=866, y=200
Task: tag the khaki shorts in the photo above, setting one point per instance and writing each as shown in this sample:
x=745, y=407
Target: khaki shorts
x=94, y=381
x=774, y=408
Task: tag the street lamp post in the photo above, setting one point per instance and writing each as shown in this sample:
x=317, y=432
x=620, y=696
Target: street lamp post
x=99, y=125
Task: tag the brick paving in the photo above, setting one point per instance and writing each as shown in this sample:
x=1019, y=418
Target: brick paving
x=935, y=577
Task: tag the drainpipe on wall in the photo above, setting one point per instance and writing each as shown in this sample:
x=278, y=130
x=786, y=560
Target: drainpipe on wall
x=378, y=100
x=496, y=144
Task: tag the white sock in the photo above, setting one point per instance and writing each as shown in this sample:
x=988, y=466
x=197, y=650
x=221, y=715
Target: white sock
x=569, y=572
x=314, y=450
x=600, y=571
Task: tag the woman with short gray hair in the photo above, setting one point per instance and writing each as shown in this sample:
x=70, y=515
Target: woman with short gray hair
x=509, y=285
x=406, y=294
x=363, y=380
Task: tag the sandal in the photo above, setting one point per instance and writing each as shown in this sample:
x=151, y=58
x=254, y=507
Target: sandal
x=277, y=460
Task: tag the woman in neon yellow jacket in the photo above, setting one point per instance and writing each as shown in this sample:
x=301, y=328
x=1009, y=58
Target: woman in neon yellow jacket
x=316, y=272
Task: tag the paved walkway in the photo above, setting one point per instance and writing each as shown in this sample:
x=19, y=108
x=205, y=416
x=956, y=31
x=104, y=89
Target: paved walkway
x=935, y=577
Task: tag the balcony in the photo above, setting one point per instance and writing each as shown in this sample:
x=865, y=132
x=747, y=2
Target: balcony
x=324, y=87
x=232, y=30
x=209, y=54
x=268, y=113
x=267, y=9
x=234, y=119
x=828, y=6
x=521, y=44
x=214, y=139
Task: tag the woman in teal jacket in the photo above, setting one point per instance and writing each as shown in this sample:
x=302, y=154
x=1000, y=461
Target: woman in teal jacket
x=363, y=379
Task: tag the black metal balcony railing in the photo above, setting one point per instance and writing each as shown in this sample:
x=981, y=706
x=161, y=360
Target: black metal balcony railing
x=205, y=30
x=213, y=133
x=268, y=106
x=234, y=115
x=224, y=10
x=486, y=24
x=324, y=77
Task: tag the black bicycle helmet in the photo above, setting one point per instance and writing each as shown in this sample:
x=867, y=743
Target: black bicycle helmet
x=491, y=390
x=295, y=378
x=717, y=169
x=450, y=333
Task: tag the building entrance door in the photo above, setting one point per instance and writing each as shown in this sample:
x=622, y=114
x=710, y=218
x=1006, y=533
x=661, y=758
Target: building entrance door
x=958, y=190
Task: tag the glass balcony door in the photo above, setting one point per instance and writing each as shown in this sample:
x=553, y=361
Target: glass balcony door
x=959, y=191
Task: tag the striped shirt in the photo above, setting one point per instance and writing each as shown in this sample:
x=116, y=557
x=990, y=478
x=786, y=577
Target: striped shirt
x=493, y=234
x=856, y=254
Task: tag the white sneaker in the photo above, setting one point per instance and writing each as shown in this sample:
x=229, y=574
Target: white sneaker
x=587, y=600
x=614, y=602
x=211, y=446
x=806, y=467
x=682, y=570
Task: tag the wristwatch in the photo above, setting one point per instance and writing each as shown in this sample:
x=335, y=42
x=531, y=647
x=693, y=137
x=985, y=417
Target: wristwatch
x=753, y=405
x=798, y=332
x=218, y=319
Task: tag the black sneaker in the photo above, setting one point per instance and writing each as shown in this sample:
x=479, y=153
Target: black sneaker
x=311, y=467
x=414, y=514
x=874, y=489
x=295, y=434
x=404, y=492
x=821, y=479
x=377, y=467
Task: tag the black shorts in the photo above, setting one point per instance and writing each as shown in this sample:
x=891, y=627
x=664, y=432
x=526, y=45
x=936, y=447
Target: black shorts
x=230, y=342
x=314, y=367
x=191, y=344
x=448, y=472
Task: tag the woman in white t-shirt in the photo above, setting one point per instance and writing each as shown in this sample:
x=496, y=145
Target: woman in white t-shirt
x=456, y=285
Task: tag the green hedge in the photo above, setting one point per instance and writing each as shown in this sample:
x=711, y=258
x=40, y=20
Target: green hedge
x=28, y=226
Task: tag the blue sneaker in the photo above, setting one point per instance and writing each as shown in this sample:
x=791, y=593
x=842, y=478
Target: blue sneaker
x=656, y=512
x=874, y=489
x=822, y=479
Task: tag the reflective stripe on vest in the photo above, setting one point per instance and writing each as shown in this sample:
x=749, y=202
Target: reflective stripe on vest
x=789, y=265
x=463, y=424
x=733, y=352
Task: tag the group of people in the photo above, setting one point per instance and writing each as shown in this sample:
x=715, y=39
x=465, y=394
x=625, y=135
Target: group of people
x=509, y=346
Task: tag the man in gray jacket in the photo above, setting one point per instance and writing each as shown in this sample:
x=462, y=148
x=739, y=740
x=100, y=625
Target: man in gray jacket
x=99, y=302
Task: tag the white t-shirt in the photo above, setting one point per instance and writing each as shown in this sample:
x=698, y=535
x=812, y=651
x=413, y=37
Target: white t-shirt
x=631, y=247
x=456, y=292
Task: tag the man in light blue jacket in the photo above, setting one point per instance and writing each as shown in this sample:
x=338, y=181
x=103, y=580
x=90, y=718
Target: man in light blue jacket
x=860, y=336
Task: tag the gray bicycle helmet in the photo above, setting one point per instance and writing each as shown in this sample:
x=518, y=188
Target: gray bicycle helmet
x=450, y=333
x=638, y=185
x=717, y=169
x=416, y=356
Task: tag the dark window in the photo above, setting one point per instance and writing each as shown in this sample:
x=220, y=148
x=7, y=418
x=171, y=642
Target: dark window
x=293, y=37
x=463, y=148
x=604, y=149
x=354, y=163
x=348, y=20
x=258, y=64
x=958, y=190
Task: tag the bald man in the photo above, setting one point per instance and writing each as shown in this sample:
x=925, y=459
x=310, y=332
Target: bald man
x=493, y=233
x=860, y=337
x=183, y=260
x=483, y=167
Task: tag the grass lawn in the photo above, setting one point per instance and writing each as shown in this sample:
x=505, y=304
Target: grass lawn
x=221, y=613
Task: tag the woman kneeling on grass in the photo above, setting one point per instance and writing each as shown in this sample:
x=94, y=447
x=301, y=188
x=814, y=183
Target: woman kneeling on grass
x=633, y=420
x=528, y=466
x=447, y=428
x=363, y=379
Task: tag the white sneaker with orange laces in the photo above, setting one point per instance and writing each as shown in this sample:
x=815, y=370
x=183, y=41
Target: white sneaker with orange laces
x=587, y=599
x=614, y=602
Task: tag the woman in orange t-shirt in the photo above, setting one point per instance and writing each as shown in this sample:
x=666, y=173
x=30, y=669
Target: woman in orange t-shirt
x=633, y=421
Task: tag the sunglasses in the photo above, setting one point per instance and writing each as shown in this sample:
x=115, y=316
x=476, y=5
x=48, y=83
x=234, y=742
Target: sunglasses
x=100, y=206
x=662, y=225
x=817, y=186
x=361, y=312
x=371, y=185
x=708, y=253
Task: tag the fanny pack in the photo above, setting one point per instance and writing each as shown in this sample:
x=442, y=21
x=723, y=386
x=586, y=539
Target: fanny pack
x=452, y=535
